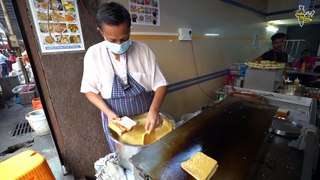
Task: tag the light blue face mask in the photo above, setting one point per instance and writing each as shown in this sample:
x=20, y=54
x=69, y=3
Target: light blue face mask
x=118, y=48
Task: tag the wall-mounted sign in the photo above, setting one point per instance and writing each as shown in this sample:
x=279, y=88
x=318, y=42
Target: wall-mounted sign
x=145, y=12
x=57, y=24
x=304, y=16
x=13, y=41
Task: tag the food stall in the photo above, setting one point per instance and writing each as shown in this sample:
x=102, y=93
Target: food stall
x=243, y=133
x=252, y=133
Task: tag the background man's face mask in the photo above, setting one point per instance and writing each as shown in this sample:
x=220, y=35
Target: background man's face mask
x=119, y=48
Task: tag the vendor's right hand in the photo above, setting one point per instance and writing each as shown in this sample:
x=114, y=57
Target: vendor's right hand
x=112, y=116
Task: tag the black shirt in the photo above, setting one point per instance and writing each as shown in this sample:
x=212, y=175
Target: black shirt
x=275, y=56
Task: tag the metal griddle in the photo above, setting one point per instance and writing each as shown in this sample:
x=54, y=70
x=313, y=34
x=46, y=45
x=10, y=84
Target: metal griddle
x=231, y=132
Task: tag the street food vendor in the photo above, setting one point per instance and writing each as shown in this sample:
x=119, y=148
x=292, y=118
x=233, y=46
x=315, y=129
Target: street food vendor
x=121, y=77
x=4, y=64
x=276, y=53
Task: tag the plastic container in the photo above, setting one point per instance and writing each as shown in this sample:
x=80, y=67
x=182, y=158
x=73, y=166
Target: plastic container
x=38, y=122
x=36, y=103
x=26, y=165
x=17, y=89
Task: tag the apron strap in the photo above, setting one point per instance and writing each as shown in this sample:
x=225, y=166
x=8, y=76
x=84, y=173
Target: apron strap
x=127, y=69
x=125, y=86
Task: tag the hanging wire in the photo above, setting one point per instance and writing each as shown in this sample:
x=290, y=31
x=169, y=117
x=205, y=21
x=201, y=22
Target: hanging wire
x=88, y=14
x=197, y=74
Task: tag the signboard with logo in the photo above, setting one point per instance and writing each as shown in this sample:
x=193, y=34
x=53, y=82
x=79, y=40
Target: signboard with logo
x=304, y=16
x=14, y=41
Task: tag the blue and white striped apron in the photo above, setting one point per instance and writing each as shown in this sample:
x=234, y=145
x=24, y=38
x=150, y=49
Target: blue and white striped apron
x=126, y=100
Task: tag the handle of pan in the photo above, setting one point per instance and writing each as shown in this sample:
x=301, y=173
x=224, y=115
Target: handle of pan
x=247, y=96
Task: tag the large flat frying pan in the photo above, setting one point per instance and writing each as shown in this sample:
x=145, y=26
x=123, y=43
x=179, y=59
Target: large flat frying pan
x=231, y=132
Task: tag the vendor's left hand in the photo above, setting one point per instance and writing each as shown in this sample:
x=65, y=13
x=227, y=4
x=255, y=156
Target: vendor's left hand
x=154, y=120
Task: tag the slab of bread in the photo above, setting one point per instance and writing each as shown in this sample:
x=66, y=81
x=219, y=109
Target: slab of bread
x=200, y=166
x=122, y=125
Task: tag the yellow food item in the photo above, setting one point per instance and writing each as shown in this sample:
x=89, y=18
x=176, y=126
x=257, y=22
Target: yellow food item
x=135, y=136
x=62, y=39
x=60, y=27
x=43, y=16
x=73, y=27
x=58, y=16
x=200, y=166
x=122, y=125
x=44, y=27
x=116, y=128
x=49, y=39
x=267, y=64
x=70, y=17
x=74, y=39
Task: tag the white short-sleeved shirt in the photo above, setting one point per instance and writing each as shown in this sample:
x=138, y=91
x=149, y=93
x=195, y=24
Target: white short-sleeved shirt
x=98, y=73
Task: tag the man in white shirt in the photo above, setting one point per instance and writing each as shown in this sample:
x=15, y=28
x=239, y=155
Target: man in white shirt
x=4, y=65
x=121, y=77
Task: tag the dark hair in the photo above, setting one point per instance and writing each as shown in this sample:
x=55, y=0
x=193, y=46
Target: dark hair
x=112, y=13
x=302, y=52
x=278, y=36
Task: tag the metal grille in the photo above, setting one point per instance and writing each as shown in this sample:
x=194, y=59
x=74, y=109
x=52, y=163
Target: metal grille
x=21, y=128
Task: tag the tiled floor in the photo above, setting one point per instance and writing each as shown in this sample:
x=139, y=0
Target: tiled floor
x=9, y=118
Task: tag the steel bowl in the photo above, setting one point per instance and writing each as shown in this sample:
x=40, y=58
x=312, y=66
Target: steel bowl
x=126, y=151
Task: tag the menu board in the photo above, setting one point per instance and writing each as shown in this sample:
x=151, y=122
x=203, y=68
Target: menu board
x=145, y=12
x=57, y=24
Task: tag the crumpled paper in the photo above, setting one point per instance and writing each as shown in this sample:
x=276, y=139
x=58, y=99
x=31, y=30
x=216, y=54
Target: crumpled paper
x=108, y=168
x=300, y=142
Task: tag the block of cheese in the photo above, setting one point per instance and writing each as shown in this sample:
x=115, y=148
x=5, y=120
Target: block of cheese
x=200, y=166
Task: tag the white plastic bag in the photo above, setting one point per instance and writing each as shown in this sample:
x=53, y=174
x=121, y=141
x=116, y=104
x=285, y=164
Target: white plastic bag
x=108, y=168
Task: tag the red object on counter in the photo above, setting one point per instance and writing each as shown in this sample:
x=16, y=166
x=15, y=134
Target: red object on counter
x=36, y=104
x=229, y=80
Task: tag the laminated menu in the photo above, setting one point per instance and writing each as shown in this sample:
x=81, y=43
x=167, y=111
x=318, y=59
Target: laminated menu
x=58, y=25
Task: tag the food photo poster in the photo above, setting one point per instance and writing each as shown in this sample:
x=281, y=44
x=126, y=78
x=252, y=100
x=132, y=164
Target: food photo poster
x=58, y=25
x=145, y=12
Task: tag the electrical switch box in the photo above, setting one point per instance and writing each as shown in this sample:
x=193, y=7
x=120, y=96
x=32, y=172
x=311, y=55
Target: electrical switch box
x=185, y=34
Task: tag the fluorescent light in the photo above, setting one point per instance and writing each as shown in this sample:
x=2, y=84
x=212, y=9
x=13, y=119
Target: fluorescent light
x=211, y=34
x=154, y=34
x=276, y=22
x=272, y=28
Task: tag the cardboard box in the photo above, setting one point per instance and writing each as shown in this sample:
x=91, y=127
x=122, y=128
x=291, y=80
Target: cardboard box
x=26, y=97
